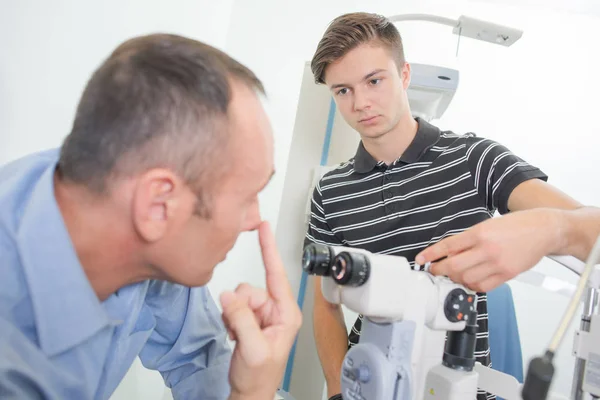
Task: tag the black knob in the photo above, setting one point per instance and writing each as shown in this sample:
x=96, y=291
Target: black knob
x=350, y=269
x=459, y=351
x=317, y=259
x=458, y=305
x=539, y=377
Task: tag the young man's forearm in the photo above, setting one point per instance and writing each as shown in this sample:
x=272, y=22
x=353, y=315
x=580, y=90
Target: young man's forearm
x=331, y=338
x=580, y=230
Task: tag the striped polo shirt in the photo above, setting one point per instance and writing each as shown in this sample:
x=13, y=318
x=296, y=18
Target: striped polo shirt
x=442, y=185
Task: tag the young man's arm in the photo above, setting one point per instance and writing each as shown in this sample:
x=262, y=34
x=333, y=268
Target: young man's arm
x=539, y=220
x=578, y=226
x=331, y=338
x=329, y=327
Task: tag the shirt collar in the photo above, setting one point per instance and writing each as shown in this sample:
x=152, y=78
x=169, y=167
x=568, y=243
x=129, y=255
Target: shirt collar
x=427, y=135
x=66, y=308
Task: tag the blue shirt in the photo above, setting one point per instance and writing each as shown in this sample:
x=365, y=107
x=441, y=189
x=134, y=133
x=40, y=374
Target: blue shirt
x=58, y=341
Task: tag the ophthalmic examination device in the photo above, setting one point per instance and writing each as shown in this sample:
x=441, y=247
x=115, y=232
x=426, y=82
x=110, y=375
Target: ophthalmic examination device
x=419, y=330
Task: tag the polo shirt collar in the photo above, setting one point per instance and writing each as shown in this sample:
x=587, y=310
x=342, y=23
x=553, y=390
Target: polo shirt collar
x=66, y=308
x=427, y=135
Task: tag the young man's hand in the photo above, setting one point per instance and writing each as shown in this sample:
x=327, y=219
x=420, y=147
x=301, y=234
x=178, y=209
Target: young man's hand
x=264, y=324
x=496, y=250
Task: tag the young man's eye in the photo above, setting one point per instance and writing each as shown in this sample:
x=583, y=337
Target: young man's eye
x=342, y=91
x=375, y=81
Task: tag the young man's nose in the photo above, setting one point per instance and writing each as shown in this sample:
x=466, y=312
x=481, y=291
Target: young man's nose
x=361, y=101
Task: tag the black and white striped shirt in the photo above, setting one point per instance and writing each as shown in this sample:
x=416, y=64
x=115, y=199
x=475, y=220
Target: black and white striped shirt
x=442, y=185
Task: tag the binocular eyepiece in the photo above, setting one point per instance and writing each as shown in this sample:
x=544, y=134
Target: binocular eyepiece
x=347, y=268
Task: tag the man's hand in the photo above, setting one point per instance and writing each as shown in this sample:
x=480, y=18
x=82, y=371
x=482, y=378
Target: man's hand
x=264, y=324
x=496, y=250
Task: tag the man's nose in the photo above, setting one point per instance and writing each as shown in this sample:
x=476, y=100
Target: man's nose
x=253, y=218
x=361, y=100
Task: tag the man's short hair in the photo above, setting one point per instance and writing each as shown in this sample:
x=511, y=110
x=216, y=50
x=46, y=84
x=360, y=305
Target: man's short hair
x=159, y=100
x=349, y=31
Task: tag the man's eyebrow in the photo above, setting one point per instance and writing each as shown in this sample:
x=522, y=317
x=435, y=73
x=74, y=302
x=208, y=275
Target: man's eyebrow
x=366, y=77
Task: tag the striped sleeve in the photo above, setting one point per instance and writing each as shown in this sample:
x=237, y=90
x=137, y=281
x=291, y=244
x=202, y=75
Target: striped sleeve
x=496, y=172
x=318, y=229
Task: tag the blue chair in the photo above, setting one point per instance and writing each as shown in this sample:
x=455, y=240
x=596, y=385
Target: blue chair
x=505, y=343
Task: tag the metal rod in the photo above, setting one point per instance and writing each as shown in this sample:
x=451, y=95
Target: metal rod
x=589, y=308
x=425, y=17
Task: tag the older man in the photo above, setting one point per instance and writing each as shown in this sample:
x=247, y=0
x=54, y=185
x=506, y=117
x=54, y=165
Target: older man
x=107, y=243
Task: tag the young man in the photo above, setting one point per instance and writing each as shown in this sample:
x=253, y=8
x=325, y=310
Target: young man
x=106, y=245
x=411, y=186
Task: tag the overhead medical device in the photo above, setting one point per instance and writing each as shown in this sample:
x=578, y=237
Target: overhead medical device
x=432, y=87
x=418, y=332
x=469, y=27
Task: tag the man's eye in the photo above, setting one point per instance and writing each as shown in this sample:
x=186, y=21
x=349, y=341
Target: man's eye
x=342, y=91
x=375, y=81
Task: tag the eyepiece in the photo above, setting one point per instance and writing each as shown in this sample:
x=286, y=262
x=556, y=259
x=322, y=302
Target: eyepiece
x=317, y=259
x=350, y=269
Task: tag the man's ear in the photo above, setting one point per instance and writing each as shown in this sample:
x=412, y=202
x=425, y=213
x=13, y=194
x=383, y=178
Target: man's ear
x=405, y=75
x=157, y=201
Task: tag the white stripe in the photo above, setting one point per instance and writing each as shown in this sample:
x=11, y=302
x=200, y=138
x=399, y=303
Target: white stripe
x=405, y=213
x=438, y=148
x=352, y=182
x=317, y=206
x=448, y=135
x=457, y=148
x=418, y=192
x=393, y=184
x=480, y=163
x=343, y=175
x=506, y=172
x=447, y=150
x=416, y=228
x=318, y=217
x=321, y=231
x=445, y=235
x=421, y=245
x=376, y=175
x=491, y=174
x=405, y=247
x=318, y=241
x=473, y=148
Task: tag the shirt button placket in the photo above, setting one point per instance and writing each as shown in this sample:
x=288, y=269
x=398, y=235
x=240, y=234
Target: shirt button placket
x=387, y=194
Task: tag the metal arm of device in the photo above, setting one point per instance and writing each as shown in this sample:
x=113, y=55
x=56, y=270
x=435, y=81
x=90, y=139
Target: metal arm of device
x=469, y=27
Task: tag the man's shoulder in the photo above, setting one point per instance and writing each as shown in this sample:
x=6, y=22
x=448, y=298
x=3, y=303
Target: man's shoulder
x=449, y=136
x=338, y=172
x=469, y=137
x=28, y=163
x=15, y=301
x=17, y=179
x=450, y=141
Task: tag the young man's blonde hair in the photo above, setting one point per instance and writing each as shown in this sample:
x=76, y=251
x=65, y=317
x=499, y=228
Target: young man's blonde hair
x=349, y=31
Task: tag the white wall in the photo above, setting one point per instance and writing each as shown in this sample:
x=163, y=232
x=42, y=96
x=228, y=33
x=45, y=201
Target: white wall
x=51, y=48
